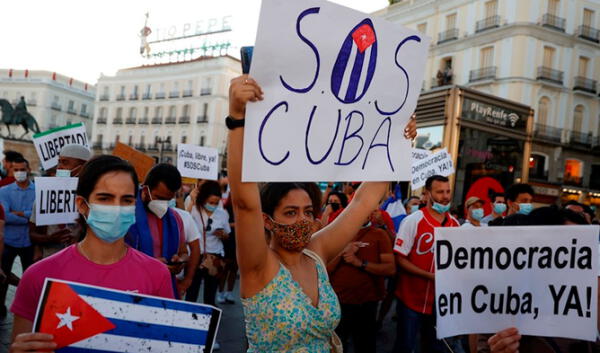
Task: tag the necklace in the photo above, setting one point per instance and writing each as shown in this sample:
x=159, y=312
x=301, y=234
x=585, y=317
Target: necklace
x=80, y=248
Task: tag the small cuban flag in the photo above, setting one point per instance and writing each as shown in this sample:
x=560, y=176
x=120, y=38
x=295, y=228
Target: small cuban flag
x=84, y=318
x=394, y=207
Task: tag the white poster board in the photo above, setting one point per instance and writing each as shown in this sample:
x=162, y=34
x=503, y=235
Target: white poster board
x=541, y=280
x=339, y=88
x=55, y=200
x=198, y=162
x=49, y=143
x=439, y=163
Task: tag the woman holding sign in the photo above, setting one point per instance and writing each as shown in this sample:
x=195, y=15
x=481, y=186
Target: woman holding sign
x=288, y=301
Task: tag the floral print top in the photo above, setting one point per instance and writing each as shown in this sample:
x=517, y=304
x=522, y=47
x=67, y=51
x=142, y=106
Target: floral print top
x=281, y=317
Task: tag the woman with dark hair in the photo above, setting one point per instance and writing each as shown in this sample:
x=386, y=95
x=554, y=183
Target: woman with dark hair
x=213, y=222
x=336, y=203
x=105, y=199
x=288, y=301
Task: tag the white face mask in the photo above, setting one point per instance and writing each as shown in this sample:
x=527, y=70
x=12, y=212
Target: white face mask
x=20, y=176
x=159, y=207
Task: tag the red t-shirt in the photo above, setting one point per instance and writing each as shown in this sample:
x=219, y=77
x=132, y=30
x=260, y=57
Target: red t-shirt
x=135, y=272
x=2, y=216
x=7, y=181
x=415, y=241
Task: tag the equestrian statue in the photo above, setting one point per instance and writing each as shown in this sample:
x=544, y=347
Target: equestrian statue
x=18, y=116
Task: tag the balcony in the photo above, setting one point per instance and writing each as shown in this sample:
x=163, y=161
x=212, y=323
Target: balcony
x=585, y=84
x=152, y=147
x=547, y=133
x=157, y=121
x=101, y=121
x=573, y=180
x=202, y=119
x=488, y=23
x=588, y=33
x=143, y=121
x=130, y=121
x=84, y=115
x=159, y=95
x=104, y=97
x=554, y=22
x=188, y=93
x=140, y=146
x=55, y=106
x=168, y=147
x=133, y=97
x=184, y=119
x=205, y=91
x=118, y=121
x=171, y=120
x=581, y=139
x=550, y=75
x=485, y=73
x=71, y=111
x=448, y=35
x=174, y=94
x=147, y=96
x=121, y=97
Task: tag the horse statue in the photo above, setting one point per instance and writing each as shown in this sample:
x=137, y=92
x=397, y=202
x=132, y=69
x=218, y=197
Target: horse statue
x=18, y=116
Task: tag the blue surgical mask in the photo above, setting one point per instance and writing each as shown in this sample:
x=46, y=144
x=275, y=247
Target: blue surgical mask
x=110, y=223
x=525, y=208
x=477, y=214
x=63, y=173
x=438, y=207
x=499, y=208
x=209, y=207
x=172, y=203
x=414, y=208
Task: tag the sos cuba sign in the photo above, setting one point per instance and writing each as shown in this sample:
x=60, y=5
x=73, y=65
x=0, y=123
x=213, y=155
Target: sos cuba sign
x=339, y=90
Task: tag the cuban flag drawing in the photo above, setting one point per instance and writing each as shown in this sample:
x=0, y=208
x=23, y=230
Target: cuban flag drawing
x=355, y=64
x=84, y=318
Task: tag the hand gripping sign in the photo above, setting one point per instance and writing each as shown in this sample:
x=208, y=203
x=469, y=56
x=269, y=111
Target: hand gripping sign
x=339, y=86
x=542, y=280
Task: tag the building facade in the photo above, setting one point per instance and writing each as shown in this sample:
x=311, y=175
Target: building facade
x=53, y=99
x=153, y=108
x=541, y=53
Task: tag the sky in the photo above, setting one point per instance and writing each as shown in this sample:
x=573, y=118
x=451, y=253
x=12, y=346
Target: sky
x=84, y=39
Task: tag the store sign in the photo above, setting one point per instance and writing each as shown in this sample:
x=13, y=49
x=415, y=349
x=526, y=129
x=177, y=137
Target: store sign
x=542, y=190
x=205, y=26
x=488, y=113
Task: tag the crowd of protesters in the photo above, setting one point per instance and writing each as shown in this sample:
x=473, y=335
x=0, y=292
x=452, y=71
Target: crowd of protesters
x=319, y=271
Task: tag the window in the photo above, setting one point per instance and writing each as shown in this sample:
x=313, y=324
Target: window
x=132, y=112
x=202, y=140
x=142, y=138
x=487, y=57
x=578, y=119
x=172, y=111
x=206, y=86
x=190, y=84
x=135, y=90
x=543, y=106
x=103, y=113
x=451, y=21
x=422, y=27
x=162, y=88
x=146, y=112
x=148, y=89
x=119, y=113
x=588, y=16
x=538, y=168
x=491, y=8
x=83, y=108
x=548, y=57
x=56, y=99
x=573, y=172
x=117, y=138
x=158, y=112
x=183, y=138
x=130, y=140
x=583, y=66
x=71, y=106
x=205, y=110
x=99, y=139
x=122, y=90
x=186, y=110
x=553, y=7
x=105, y=91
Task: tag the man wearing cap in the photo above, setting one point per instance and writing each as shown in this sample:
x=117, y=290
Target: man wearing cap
x=51, y=239
x=474, y=214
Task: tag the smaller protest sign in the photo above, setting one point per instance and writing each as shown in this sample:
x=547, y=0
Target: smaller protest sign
x=543, y=280
x=49, y=143
x=439, y=163
x=87, y=318
x=55, y=200
x=198, y=162
x=418, y=154
x=142, y=163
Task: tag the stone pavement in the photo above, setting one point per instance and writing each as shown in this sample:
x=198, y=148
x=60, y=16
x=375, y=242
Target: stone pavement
x=231, y=333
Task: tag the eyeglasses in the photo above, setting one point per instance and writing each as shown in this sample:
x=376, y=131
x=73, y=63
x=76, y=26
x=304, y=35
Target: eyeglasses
x=208, y=224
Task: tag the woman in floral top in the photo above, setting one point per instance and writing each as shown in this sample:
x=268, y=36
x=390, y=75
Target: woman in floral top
x=288, y=301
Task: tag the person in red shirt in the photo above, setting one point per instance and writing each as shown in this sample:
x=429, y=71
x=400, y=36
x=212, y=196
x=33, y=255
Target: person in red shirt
x=414, y=248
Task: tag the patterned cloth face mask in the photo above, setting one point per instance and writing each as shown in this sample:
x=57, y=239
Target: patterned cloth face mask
x=295, y=236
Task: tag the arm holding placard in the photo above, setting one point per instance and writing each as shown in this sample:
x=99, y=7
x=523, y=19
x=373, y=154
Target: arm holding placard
x=23, y=340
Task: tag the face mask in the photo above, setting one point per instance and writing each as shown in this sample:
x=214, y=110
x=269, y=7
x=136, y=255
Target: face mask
x=210, y=208
x=110, y=223
x=20, y=176
x=414, y=208
x=293, y=237
x=159, y=207
x=499, y=208
x=439, y=208
x=525, y=208
x=172, y=203
x=335, y=206
x=477, y=214
x=63, y=173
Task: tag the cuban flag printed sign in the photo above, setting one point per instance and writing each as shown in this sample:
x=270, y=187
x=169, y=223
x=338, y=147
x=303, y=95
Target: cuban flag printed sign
x=85, y=318
x=339, y=88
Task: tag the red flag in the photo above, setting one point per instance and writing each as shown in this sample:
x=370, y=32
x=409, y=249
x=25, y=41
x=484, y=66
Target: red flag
x=26, y=73
x=10, y=73
x=363, y=36
x=68, y=317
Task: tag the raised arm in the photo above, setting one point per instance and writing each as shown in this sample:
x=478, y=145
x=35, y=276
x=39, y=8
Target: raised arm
x=252, y=248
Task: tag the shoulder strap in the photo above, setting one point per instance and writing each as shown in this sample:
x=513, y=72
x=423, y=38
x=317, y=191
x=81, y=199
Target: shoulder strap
x=313, y=255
